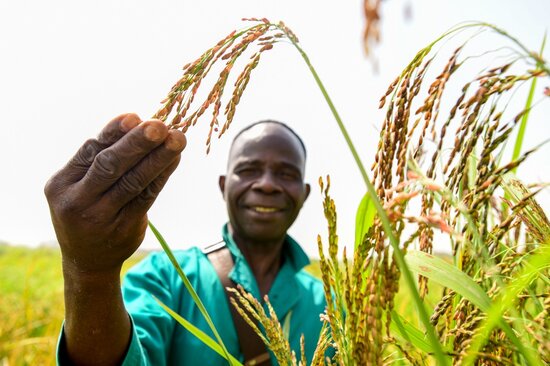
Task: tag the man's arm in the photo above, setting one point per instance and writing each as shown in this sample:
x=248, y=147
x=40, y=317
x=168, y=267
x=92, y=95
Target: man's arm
x=98, y=204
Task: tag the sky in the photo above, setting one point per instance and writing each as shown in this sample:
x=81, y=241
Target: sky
x=67, y=68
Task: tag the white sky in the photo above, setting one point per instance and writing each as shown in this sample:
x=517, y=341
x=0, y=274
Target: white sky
x=67, y=67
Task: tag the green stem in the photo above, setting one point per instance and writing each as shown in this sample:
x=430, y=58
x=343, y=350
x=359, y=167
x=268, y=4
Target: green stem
x=535, y=57
x=334, y=113
x=400, y=258
x=525, y=117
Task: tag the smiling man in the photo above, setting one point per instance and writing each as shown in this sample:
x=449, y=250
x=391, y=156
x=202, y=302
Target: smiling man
x=264, y=190
x=99, y=203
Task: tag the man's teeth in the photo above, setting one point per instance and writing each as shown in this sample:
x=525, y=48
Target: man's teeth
x=264, y=209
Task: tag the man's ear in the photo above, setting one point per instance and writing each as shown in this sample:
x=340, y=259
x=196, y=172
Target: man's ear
x=308, y=190
x=221, y=183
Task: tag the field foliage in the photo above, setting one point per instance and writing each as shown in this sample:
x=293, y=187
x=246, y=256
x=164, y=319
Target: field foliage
x=441, y=170
x=31, y=305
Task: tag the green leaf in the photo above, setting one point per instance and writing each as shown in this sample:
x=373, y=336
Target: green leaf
x=532, y=268
x=286, y=325
x=364, y=218
x=409, y=333
x=437, y=270
x=203, y=337
x=189, y=288
x=445, y=274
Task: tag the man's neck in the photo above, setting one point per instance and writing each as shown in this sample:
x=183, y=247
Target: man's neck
x=264, y=258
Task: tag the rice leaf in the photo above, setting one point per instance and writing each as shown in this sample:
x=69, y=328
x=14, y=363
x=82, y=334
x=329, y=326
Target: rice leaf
x=408, y=332
x=364, y=218
x=445, y=274
x=286, y=325
x=451, y=277
x=190, y=288
x=199, y=334
x=534, y=265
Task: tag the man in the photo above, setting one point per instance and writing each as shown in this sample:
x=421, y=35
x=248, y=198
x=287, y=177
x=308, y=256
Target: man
x=99, y=204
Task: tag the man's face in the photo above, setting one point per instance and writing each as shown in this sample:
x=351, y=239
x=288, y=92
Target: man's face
x=264, y=187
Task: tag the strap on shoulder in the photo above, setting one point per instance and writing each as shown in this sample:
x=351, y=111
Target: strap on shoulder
x=252, y=346
x=213, y=247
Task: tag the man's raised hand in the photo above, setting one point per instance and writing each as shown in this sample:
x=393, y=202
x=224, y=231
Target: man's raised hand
x=99, y=200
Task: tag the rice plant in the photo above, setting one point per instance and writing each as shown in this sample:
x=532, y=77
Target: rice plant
x=439, y=173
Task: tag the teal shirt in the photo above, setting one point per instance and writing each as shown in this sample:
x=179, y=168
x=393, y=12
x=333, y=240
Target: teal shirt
x=159, y=340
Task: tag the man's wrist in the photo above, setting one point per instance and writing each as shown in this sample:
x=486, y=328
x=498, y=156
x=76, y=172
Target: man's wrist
x=105, y=280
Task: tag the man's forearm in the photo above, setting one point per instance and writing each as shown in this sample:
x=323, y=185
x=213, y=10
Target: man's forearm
x=97, y=326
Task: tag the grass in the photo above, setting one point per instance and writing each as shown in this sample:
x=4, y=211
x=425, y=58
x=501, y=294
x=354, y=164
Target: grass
x=31, y=305
x=30, y=311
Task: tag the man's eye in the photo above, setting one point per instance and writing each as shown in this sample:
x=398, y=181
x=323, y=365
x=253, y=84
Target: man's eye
x=289, y=175
x=247, y=171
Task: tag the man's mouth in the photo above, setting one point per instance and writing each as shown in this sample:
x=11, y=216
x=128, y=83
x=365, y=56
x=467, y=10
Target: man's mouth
x=264, y=209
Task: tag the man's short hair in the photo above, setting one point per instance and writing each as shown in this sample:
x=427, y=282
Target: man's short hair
x=284, y=125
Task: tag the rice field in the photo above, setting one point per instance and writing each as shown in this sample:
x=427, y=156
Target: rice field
x=31, y=305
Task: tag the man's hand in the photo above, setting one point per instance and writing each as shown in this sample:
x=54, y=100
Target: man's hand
x=98, y=203
x=99, y=200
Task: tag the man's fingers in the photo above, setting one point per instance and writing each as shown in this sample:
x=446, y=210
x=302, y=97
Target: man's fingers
x=79, y=164
x=137, y=180
x=117, y=128
x=141, y=204
x=114, y=162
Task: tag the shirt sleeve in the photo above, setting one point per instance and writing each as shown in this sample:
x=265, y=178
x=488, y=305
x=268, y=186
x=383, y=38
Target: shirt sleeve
x=144, y=286
x=135, y=356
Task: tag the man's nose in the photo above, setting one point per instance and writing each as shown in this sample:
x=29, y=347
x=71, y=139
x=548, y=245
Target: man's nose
x=267, y=182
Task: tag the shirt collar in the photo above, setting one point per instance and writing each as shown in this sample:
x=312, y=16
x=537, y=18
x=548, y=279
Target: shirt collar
x=293, y=253
x=284, y=292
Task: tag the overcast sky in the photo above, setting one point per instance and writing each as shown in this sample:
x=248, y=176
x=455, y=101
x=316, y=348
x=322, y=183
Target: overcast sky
x=68, y=67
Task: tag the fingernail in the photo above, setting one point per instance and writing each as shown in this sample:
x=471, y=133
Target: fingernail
x=129, y=122
x=175, y=141
x=152, y=133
